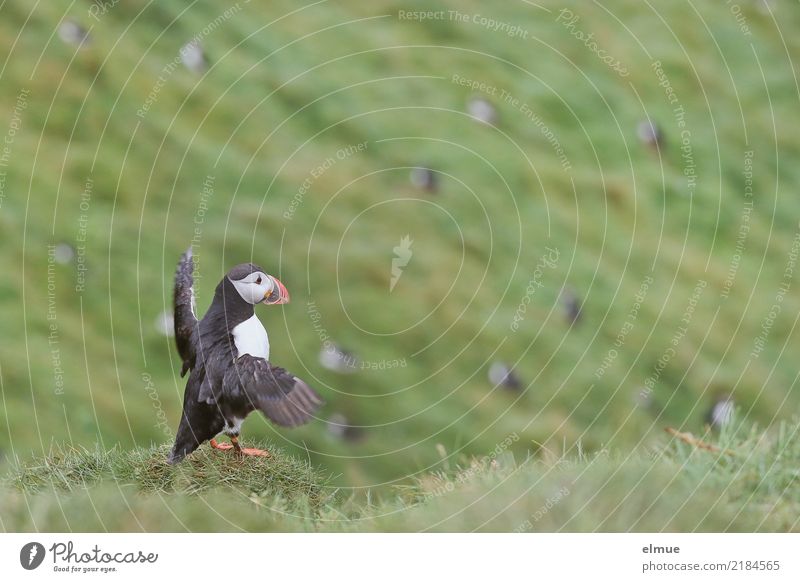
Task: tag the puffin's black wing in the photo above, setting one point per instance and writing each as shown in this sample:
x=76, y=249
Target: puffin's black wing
x=284, y=398
x=185, y=318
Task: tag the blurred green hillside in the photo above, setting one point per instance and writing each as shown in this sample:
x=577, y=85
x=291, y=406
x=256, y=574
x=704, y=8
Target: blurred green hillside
x=122, y=153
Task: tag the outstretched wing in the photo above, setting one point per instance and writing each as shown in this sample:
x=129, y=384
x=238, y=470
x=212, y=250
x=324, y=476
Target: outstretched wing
x=254, y=383
x=185, y=318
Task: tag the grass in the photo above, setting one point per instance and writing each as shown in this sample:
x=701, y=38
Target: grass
x=748, y=484
x=286, y=91
x=68, y=470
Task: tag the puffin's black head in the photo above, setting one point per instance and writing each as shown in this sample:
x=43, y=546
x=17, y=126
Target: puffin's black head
x=255, y=286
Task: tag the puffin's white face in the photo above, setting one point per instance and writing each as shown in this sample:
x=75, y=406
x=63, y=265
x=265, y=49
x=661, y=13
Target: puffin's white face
x=258, y=287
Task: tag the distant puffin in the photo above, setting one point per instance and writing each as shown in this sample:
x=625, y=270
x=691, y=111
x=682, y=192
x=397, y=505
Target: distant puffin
x=650, y=134
x=340, y=427
x=504, y=376
x=482, y=110
x=423, y=178
x=572, y=305
x=194, y=57
x=338, y=359
x=228, y=354
x=721, y=412
x=73, y=33
x=63, y=253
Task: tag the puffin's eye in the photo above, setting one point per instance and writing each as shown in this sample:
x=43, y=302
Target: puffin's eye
x=258, y=281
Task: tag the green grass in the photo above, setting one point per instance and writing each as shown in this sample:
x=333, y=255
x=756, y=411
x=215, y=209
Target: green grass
x=748, y=483
x=68, y=470
x=285, y=95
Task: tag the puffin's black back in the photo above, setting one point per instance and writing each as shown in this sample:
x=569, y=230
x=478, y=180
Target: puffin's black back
x=199, y=422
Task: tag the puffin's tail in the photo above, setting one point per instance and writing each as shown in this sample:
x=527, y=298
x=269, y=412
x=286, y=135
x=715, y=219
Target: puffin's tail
x=186, y=442
x=185, y=318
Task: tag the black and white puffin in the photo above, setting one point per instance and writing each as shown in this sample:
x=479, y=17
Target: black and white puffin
x=650, y=134
x=227, y=355
x=503, y=375
x=572, y=305
x=721, y=412
x=482, y=110
x=423, y=178
x=73, y=33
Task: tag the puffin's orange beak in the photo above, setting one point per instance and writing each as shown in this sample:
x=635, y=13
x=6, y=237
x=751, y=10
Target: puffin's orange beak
x=278, y=295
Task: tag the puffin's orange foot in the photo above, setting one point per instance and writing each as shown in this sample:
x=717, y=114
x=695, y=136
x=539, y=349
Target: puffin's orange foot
x=238, y=450
x=255, y=453
x=220, y=446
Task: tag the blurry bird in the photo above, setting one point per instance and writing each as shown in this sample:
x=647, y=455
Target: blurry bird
x=572, y=305
x=63, y=253
x=650, y=134
x=227, y=353
x=73, y=33
x=482, y=110
x=337, y=359
x=643, y=398
x=500, y=374
x=339, y=426
x=425, y=179
x=194, y=57
x=165, y=323
x=721, y=412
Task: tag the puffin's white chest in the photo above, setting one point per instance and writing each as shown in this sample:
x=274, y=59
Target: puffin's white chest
x=250, y=337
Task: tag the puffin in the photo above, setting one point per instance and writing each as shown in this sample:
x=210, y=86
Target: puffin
x=73, y=33
x=650, y=134
x=572, y=305
x=721, y=412
x=340, y=426
x=338, y=359
x=194, y=57
x=423, y=178
x=482, y=110
x=226, y=354
x=501, y=374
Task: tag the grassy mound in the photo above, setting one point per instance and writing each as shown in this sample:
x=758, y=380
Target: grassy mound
x=67, y=470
